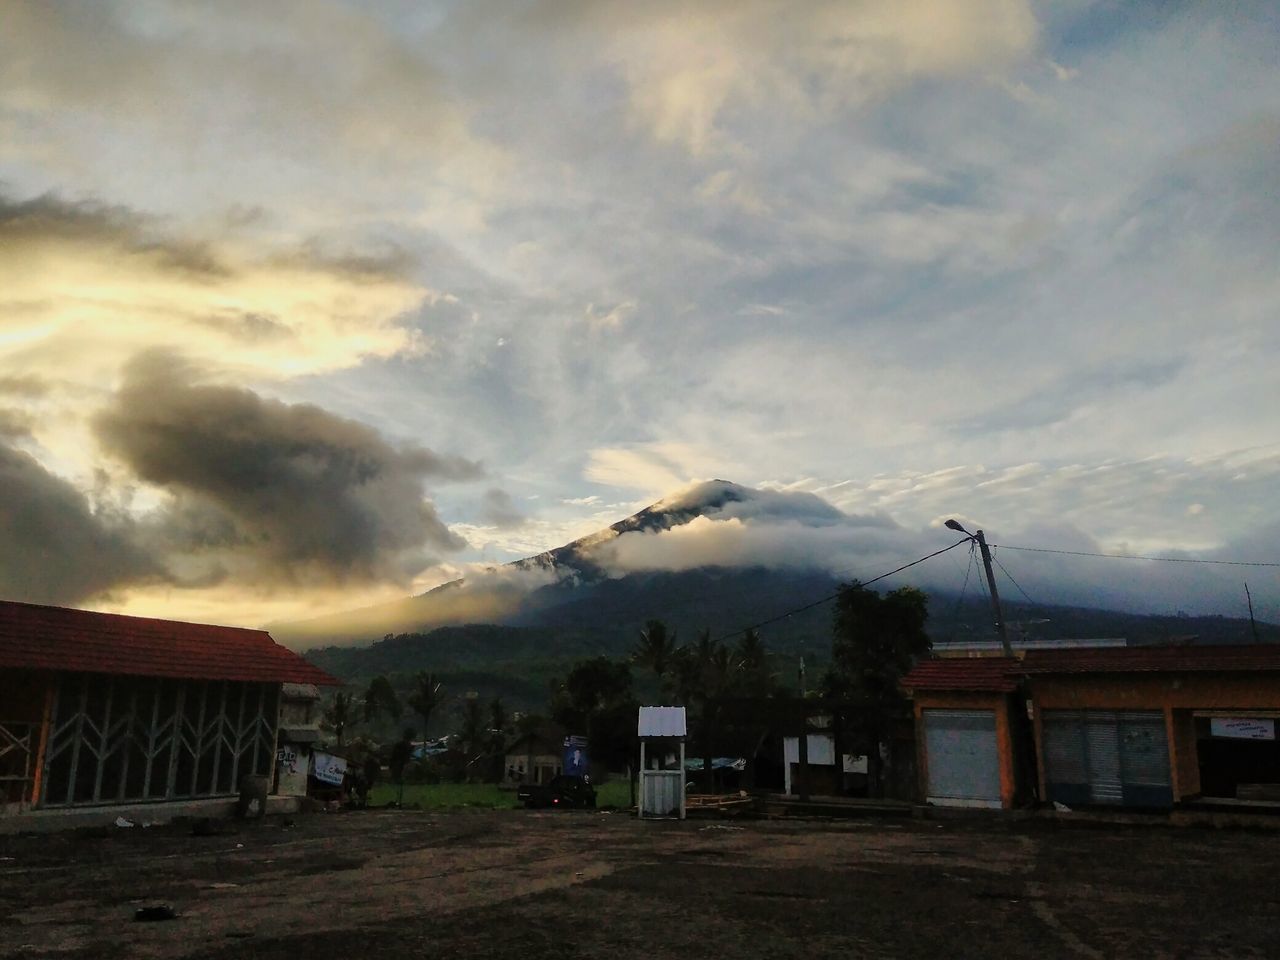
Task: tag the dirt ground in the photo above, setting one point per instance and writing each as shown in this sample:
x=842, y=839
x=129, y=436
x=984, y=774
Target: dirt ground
x=382, y=885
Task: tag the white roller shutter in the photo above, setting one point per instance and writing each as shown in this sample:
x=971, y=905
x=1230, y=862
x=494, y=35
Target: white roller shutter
x=961, y=756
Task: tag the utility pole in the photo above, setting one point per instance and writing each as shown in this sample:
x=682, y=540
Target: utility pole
x=981, y=541
x=995, y=594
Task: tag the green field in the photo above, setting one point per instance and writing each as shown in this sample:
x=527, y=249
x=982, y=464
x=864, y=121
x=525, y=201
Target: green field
x=480, y=796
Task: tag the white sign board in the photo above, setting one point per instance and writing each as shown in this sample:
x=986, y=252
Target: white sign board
x=328, y=769
x=1242, y=728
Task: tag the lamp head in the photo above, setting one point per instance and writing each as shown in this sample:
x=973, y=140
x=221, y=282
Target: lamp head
x=955, y=525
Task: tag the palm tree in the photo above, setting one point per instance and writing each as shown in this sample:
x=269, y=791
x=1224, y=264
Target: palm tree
x=428, y=694
x=474, y=732
x=752, y=665
x=656, y=650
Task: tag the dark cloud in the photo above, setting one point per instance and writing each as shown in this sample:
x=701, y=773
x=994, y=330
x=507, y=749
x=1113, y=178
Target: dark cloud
x=15, y=424
x=50, y=218
x=499, y=510
x=53, y=219
x=286, y=494
x=250, y=327
x=56, y=548
x=23, y=386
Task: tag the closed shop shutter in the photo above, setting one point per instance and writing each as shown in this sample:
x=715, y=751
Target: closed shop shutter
x=963, y=762
x=1066, y=758
x=1144, y=759
x=1107, y=757
x=1104, y=757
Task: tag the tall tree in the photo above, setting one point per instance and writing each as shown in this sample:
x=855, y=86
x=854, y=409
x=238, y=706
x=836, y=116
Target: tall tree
x=703, y=673
x=875, y=640
x=380, y=700
x=595, y=699
x=428, y=694
x=338, y=715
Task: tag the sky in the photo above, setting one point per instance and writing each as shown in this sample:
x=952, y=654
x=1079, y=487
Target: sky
x=306, y=306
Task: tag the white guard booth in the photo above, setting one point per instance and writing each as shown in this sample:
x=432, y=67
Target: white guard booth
x=662, y=733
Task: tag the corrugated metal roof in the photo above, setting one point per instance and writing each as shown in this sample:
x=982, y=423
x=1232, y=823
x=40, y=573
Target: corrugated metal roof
x=36, y=637
x=1199, y=659
x=997, y=674
x=661, y=722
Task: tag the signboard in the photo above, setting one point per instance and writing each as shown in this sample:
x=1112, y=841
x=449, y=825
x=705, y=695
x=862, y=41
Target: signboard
x=576, y=763
x=1242, y=728
x=328, y=769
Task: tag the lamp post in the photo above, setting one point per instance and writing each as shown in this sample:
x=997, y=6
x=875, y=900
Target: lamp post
x=981, y=541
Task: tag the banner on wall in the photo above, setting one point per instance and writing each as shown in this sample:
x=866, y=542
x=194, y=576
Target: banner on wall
x=1242, y=728
x=328, y=769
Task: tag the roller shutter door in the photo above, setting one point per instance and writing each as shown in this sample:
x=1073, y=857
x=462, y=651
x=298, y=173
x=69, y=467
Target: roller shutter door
x=963, y=762
x=1107, y=757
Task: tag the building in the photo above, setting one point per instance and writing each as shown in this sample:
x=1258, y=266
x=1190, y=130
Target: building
x=535, y=756
x=821, y=765
x=298, y=734
x=965, y=711
x=1149, y=727
x=99, y=709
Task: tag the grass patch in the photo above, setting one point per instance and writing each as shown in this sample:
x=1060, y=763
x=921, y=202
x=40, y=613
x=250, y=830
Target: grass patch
x=480, y=796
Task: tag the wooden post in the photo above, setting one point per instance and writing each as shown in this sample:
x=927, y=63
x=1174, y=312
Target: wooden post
x=802, y=767
x=681, y=781
x=46, y=720
x=643, y=770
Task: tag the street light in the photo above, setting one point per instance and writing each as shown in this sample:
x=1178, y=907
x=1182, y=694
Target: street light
x=981, y=541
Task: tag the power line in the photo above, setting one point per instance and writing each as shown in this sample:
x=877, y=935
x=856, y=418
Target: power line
x=818, y=603
x=1130, y=556
x=964, y=587
x=1013, y=581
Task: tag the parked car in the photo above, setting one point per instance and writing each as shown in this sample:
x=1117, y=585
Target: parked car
x=561, y=791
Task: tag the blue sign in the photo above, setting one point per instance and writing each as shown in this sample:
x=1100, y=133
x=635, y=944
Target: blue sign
x=576, y=762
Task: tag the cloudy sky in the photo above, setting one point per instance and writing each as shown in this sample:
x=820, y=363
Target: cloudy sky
x=308, y=305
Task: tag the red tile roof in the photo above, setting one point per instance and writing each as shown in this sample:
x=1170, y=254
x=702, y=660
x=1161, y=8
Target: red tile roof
x=57, y=638
x=1172, y=659
x=996, y=674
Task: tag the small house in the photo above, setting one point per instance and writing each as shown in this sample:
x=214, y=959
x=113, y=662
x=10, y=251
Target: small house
x=535, y=756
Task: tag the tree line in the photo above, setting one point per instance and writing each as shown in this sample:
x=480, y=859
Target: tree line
x=733, y=690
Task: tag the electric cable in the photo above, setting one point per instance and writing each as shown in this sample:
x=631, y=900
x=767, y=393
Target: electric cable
x=1131, y=556
x=828, y=599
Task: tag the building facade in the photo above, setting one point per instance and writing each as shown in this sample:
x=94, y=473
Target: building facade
x=99, y=709
x=1144, y=727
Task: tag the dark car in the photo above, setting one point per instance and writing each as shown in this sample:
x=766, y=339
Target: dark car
x=561, y=791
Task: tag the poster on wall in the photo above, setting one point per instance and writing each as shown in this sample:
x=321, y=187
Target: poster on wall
x=576, y=763
x=1242, y=728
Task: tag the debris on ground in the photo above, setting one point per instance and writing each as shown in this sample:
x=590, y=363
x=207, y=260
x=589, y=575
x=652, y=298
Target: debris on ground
x=159, y=911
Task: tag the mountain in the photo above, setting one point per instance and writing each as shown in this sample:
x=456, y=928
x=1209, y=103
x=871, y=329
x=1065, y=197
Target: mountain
x=509, y=630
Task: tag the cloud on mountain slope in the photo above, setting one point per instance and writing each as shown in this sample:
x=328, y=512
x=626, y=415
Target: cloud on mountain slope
x=782, y=530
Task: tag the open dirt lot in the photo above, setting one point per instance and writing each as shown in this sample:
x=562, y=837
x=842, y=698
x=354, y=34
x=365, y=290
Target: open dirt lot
x=383, y=885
